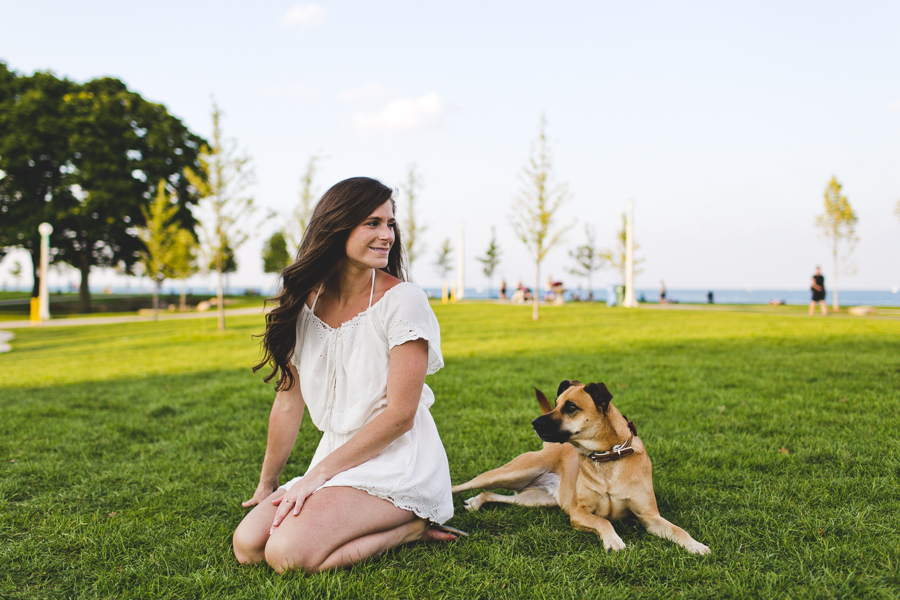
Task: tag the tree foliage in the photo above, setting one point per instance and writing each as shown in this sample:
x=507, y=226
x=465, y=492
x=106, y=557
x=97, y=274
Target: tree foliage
x=86, y=158
x=838, y=225
x=490, y=260
x=414, y=229
x=444, y=259
x=300, y=216
x=617, y=255
x=275, y=253
x=588, y=258
x=158, y=236
x=35, y=159
x=221, y=180
x=534, y=210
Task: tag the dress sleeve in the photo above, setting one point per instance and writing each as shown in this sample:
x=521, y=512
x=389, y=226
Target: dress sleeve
x=408, y=317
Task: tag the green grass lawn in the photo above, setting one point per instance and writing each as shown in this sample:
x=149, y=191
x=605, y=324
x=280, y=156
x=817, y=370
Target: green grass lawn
x=125, y=452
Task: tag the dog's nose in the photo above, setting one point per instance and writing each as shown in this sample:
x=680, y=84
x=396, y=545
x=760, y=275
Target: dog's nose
x=541, y=424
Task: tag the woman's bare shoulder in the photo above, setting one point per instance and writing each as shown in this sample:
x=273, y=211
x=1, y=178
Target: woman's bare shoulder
x=384, y=282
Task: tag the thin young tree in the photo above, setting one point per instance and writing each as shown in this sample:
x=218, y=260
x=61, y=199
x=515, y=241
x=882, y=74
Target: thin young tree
x=183, y=261
x=228, y=174
x=444, y=263
x=617, y=256
x=588, y=258
x=158, y=237
x=299, y=220
x=536, y=205
x=838, y=225
x=414, y=229
x=490, y=260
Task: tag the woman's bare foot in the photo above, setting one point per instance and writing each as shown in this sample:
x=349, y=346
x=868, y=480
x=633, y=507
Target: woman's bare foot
x=442, y=533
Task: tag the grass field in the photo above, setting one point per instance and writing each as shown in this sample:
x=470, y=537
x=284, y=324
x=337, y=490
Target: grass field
x=125, y=452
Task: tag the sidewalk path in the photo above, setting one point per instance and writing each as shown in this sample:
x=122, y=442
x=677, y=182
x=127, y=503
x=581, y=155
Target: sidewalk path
x=5, y=336
x=163, y=316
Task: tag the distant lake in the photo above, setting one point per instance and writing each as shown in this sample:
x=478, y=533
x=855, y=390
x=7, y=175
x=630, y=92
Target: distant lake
x=795, y=297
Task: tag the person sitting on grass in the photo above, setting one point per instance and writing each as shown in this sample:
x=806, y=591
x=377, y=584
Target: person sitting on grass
x=352, y=342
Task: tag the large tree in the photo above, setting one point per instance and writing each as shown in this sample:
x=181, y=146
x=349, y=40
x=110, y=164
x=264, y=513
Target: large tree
x=534, y=210
x=838, y=224
x=86, y=158
x=122, y=146
x=222, y=179
x=35, y=161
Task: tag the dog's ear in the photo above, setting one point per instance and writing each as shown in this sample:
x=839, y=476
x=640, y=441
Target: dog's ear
x=542, y=400
x=599, y=394
x=566, y=384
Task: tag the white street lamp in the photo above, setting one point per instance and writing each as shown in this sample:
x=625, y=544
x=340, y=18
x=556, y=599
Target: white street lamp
x=45, y=229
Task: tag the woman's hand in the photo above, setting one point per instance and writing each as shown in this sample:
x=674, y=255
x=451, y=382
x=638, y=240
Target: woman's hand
x=292, y=501
x=263, y=491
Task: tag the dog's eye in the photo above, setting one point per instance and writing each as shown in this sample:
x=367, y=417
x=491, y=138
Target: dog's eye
x=569, y=408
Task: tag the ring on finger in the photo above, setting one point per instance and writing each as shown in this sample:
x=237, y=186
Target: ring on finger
x=289, y=500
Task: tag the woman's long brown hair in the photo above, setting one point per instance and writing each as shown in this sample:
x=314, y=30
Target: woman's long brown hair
x=343, y=207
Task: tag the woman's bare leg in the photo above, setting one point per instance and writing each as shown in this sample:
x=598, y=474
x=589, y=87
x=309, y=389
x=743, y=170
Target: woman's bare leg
x=339, y=526
x=250, y=537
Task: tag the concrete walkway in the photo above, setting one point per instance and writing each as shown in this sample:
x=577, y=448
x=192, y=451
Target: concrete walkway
x=5, y=336
x=163, y=316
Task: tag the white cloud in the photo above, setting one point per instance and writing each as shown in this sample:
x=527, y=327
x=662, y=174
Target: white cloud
x=402, y=115
x=894, y=106
x=302, y=16
x=370, y=92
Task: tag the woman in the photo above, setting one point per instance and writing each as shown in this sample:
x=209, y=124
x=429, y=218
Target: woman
x=352, y=342
x=817, y=287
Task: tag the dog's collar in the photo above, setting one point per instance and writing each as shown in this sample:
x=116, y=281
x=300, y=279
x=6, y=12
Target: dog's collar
x=618, y=451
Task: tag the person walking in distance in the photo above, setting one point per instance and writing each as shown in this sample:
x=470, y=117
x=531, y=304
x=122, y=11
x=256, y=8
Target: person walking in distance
x=817, y=287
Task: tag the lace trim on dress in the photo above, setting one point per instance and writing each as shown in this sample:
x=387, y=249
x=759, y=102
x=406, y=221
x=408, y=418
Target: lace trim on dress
x=436, y=513
x=402, y=331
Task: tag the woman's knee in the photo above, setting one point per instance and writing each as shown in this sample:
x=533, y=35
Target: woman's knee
x=248, y=545
x=285, y=554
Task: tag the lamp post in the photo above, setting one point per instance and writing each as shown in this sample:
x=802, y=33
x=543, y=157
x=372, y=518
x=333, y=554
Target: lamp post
x=629, y=301
x=45, y=229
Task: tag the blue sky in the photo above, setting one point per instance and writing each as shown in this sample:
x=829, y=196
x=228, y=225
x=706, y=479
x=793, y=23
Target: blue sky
x=723, y=122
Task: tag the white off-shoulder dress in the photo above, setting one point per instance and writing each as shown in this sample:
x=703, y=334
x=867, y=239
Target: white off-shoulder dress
x=343, y=378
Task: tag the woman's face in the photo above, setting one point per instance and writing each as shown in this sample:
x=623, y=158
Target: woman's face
x=370, y=242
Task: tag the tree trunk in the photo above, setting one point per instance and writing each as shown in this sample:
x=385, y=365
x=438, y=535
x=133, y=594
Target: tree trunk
x=183, y=304
x=590, y=288
x=84, y=292
x=834, y=266
x=220, y=299
x=156, y=300
x=35, y=269
x=535, y=304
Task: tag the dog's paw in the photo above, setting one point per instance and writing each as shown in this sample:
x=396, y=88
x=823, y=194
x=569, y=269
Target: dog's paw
x=695, y=547
x=615, y=544
x=473, y=504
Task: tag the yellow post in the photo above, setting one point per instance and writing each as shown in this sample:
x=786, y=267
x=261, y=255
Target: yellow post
x=452, y=294
x=35, y=309
x=444, y=292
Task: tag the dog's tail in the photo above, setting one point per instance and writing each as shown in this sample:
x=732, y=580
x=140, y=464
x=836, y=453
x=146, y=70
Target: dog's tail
x=542, y=400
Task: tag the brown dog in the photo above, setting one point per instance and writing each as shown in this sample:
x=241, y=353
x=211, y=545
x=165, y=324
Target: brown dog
x=593, y=466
